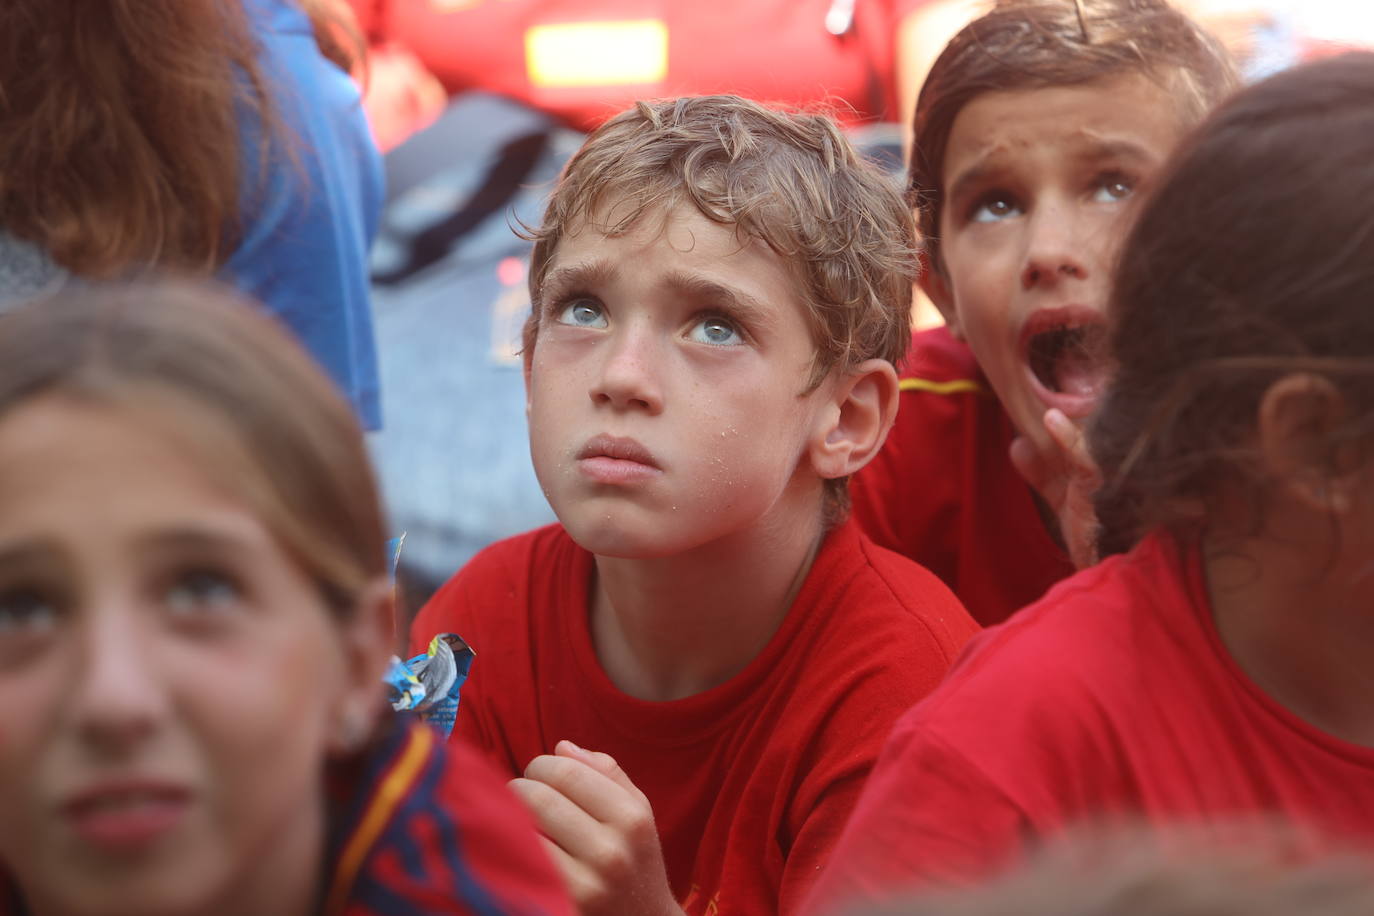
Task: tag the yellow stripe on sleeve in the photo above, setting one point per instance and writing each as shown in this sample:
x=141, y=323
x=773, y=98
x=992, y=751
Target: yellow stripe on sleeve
x=954, y=386
x=389, y=794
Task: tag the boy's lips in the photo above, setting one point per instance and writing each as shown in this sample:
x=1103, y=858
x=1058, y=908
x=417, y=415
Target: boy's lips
x=125, y=815
x=1063, y=352
x=616, y=460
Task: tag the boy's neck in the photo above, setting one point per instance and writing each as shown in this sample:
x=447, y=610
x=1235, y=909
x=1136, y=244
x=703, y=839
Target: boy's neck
x=1297, y=619
x=672, y=627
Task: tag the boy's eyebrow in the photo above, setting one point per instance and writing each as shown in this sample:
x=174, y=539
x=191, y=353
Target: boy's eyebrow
x=974, y=175
x=735, y=301
x=1093, y=150
x=573, y=276
x=1115, y=149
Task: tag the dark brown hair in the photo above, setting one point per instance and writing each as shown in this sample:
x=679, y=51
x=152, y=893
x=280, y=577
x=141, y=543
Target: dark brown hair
x=1253, y=259
x=224, y=378
x=120, y=143
x=1036, y=44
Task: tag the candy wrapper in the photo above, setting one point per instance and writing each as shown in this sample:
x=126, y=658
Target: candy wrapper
x=428, y=684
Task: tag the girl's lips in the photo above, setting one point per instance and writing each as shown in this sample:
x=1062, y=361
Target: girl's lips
x=127, y=816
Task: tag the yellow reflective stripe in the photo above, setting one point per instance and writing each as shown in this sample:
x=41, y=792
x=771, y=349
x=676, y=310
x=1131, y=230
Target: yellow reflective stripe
x=955, y=386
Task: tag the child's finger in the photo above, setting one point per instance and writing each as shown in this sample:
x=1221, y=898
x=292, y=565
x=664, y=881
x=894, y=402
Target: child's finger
x=560, y=818
x=1071, y=441
x=601, y=797
x=603, y=763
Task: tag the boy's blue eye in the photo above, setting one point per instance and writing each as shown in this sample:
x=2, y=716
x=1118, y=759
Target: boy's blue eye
x=716, y=331
x=26, y=612
x=201, y=591
x=583, y=313
x=994, y=209
x=1113, y=188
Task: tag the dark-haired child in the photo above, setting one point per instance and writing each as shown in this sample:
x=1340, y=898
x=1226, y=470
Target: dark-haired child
x=720, y=293
x=1218, y=665
x=1036, y=128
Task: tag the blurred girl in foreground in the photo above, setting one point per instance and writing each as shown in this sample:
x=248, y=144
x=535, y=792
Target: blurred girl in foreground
x=194, y=617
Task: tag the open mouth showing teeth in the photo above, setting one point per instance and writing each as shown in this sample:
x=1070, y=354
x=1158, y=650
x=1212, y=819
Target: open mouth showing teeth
x=1068, y=359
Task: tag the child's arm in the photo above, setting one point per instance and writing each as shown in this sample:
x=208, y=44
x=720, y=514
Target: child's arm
x=600, y=830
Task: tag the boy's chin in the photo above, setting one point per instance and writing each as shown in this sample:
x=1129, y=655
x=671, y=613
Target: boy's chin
x=622, y=538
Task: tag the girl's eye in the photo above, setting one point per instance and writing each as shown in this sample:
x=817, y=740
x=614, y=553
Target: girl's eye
x=994, y=208
x=27, y=612
x=1112, y=188
x=201, y=591
x=716, y=331
x=583, y=313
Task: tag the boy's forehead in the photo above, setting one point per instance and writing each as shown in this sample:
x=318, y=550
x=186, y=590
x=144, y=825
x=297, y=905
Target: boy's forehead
x=686, y=234
x=1127, y=116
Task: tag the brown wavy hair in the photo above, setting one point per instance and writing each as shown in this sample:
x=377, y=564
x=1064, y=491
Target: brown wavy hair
x=1252, y=259
x=119, y=126
x=1037, y=44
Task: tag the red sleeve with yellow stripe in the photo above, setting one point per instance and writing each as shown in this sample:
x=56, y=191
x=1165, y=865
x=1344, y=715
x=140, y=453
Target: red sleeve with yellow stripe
x=424, y=826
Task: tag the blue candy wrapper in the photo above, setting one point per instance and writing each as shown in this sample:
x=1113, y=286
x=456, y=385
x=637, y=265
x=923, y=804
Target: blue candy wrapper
x=429, y=683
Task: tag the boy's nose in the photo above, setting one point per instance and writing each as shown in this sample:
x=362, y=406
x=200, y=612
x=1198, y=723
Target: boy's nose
x=1055, y=251
x=116, y=694
x=629, y=376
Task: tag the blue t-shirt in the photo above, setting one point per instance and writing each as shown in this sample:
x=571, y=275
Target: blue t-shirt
x=309, y=221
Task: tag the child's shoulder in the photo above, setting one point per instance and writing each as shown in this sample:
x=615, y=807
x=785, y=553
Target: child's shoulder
x=874, y=589
x=1096, y=642
x=414, y=784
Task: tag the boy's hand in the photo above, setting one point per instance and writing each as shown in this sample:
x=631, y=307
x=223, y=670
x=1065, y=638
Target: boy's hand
x=600, y=831
x=1067, y=480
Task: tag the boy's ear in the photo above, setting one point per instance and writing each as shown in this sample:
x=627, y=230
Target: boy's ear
x=368, y=637
x=856, y=419
x=935, y=284
x=1298, y=418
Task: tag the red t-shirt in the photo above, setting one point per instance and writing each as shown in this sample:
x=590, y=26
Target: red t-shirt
x=1113, y=698
x=943, y=490
x=751, y=781
x=584, y=61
